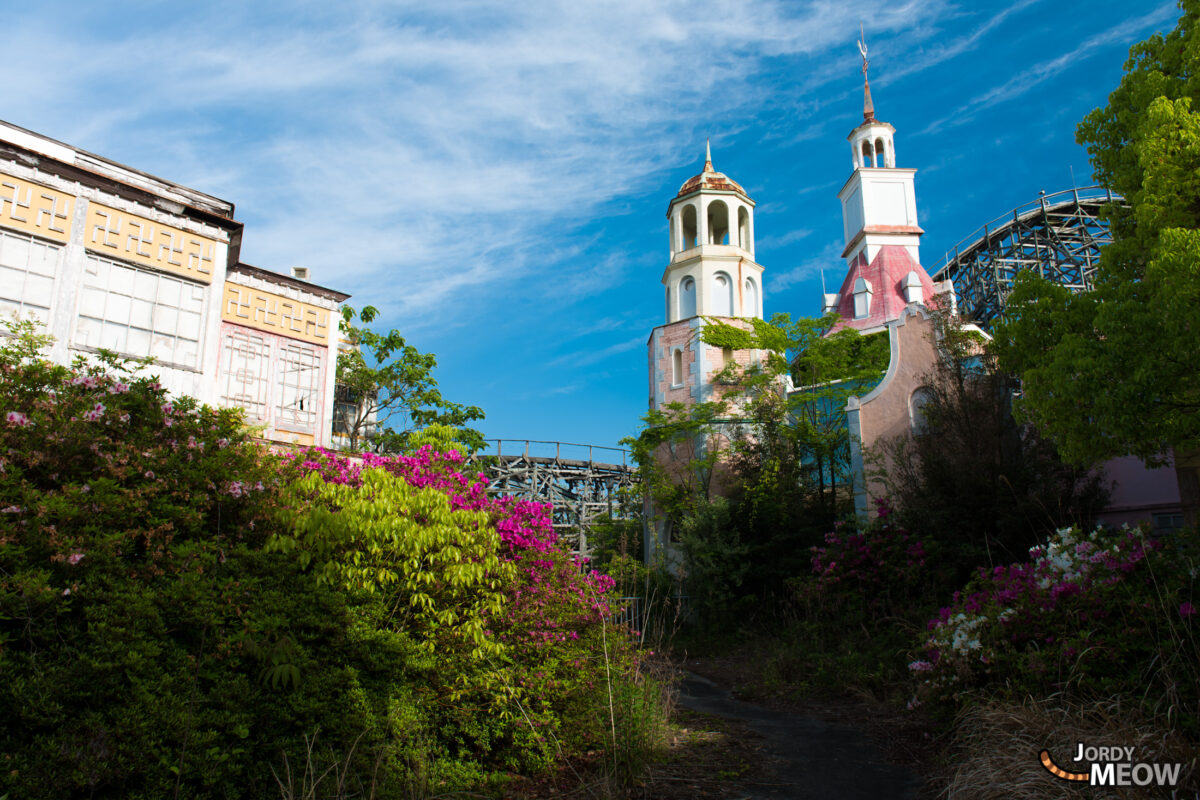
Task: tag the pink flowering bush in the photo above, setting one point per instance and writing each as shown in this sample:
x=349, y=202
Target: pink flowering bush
x=1103, y=612
x=882, y=566
x=536, y=654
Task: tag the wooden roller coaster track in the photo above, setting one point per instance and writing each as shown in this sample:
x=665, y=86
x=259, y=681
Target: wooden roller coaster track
x=581, y=488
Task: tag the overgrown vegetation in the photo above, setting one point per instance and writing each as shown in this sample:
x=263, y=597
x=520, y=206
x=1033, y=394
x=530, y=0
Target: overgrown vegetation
x=972, y=586
x=976, y=485
x=1112, y=372
x=183, y=613
x=752, y=479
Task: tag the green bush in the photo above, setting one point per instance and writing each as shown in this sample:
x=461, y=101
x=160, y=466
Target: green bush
x=1097, y=615
x=148, y=646
x=184, y=614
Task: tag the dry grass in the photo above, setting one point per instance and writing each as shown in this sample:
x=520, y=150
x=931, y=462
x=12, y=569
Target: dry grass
x=997, y=747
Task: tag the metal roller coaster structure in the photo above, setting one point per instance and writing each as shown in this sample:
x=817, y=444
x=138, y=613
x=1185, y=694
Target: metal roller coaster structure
x=567, y=475
x=1059, y=235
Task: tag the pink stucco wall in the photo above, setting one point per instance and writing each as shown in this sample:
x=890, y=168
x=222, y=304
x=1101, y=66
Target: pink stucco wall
x=1139, y=492
x=884, y=412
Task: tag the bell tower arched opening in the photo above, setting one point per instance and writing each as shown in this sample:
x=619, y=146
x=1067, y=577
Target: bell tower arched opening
x=689, y=226
x=718, y=222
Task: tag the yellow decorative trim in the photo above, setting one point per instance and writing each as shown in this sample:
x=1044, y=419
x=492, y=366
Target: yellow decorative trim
x=31, y=208
x=274, y=313
x=119, y=234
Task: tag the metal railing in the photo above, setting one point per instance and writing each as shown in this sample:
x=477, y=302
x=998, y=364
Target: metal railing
x=522, y=447
x=982, y=234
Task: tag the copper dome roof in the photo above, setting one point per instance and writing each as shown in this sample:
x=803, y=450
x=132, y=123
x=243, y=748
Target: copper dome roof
x=709, y=178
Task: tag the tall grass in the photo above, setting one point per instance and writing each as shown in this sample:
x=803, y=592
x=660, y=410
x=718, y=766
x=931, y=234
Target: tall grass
x=996, y=747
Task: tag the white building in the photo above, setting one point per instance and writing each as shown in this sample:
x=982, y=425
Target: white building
x=109, y=257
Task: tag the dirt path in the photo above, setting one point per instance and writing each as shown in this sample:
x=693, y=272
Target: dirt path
x=807, y=757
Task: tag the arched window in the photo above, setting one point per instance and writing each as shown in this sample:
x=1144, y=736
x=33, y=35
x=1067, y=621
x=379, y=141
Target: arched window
x=722, y=302
x=687, y=298
x=689, y=226
x=749, y=298
x=917, y=401
x=674, y=243
x=718, y=222
x=744, y=229
x=880, y=160
x=867, y=155
x=677, y=367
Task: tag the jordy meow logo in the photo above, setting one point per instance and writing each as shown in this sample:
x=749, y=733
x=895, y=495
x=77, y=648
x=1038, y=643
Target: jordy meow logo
x=1113, y=766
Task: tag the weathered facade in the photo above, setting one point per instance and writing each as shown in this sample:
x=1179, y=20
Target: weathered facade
x=711, y=274
x=106, y=256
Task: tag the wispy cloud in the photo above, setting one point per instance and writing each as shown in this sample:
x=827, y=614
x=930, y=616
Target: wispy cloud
x=791, y=237
x=1028, y=78
x=585, y=358
x=429, y=153
x=829, y=259
x=932, y=56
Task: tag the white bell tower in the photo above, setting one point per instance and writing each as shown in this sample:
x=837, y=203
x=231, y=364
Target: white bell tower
x=879, y=202
x=711, y=273
x=879, y=214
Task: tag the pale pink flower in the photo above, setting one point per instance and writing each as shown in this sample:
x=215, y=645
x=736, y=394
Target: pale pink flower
x=16, y=419
x=74, y=558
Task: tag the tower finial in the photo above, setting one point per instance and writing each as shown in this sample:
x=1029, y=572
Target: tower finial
x=708, y=167
x=868, y=106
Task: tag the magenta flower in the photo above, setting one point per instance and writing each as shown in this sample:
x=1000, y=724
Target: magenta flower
x=1186, y=609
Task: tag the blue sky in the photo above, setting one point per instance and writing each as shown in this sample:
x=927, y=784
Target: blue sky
x=494, y=177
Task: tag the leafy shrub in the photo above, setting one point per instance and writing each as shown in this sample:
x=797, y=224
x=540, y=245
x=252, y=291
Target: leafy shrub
x=138, y=616
x=882, y=567
x=854, y=615
x=522, y=652
x=153, y=645
x=1104, y=613
x=715, y=565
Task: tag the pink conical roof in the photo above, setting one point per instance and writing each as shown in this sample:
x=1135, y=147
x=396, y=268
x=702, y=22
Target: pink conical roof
x=886, y=273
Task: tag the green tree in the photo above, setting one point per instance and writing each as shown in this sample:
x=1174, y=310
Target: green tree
x=390, y=390
x=979, y=486
x=1114, y=371
x=800, y=438
x=752, y=479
